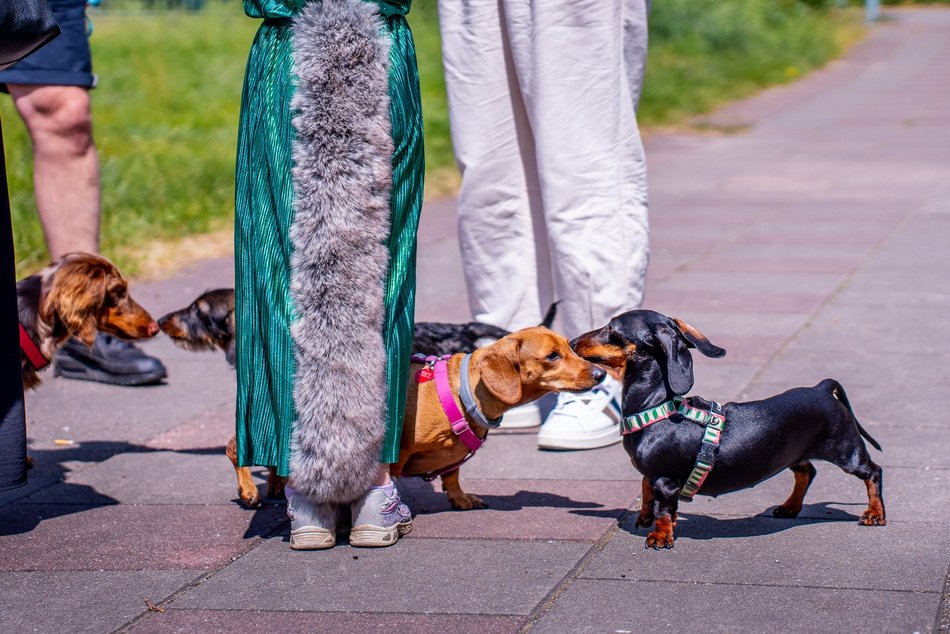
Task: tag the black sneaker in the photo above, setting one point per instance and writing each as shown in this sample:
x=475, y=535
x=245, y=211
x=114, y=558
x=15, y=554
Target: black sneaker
x=111, y=360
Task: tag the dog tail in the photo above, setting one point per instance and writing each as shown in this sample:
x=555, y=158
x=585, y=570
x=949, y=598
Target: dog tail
x=478, y=330
x=838, y=392
x=549, y=316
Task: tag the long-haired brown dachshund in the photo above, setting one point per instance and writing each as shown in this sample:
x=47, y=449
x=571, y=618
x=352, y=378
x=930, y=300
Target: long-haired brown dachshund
x=515, y=370
x=75, y=296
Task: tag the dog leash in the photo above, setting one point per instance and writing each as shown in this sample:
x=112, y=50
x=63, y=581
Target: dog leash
x=712, y=420
x=437, y=368
x=31, y=350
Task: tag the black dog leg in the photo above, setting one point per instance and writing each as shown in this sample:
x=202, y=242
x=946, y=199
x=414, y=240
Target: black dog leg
x=859, y=464
x=804, y=475
x=665, y=501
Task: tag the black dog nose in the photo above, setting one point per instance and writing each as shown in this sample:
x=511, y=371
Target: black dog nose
x=573, y=343
x=598, y=374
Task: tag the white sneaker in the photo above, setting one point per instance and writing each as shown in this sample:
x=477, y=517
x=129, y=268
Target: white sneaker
x=586, y=420
x=527, y=415
x=312, y=526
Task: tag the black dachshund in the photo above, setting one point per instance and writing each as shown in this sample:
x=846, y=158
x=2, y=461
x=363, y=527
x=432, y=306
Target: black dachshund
x=758, y=439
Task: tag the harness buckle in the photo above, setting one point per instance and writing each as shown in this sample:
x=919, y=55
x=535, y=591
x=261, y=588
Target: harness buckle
x=708, y=452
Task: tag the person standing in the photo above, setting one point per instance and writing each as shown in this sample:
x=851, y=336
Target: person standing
x=50, y=90
x=553, y=201
x=327, y=199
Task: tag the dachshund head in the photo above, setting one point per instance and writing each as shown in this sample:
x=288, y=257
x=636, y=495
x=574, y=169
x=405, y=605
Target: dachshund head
x=205, y=324
x=85, y=293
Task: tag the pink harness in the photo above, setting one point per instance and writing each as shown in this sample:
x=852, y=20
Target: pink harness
x=459, y=425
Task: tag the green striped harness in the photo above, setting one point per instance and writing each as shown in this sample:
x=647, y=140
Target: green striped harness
x=712, y=419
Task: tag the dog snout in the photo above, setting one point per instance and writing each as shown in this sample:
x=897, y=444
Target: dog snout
x=598, y=374
x=153, y=328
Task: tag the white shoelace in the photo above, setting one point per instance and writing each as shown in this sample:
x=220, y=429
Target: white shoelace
x=578, y=400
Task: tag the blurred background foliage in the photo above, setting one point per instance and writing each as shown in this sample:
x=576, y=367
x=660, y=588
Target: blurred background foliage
x=170, y=77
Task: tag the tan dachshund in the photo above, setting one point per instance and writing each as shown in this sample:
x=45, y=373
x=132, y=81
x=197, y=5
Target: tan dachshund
x=514, y=370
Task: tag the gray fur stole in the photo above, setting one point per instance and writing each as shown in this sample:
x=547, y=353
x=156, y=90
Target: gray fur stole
x=342, y=176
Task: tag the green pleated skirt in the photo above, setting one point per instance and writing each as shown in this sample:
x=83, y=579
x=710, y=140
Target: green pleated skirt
x=264, y=213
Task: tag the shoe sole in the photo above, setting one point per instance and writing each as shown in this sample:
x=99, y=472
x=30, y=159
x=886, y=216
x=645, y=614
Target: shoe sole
x=98, y=376
x=593, y=441
x=369, y=536
x=312, y=538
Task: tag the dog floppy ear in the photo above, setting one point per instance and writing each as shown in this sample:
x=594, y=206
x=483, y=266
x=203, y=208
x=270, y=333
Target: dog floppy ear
x=230, y=352
x=698, y=340
x=679, y=362
x=499, y=370
x=75, y=298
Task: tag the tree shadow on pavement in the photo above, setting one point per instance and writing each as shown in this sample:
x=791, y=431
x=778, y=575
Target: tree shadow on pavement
x=20, y=512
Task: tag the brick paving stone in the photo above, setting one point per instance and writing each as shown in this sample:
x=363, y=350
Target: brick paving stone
x=50, y=537
x=174, y=621
x=199, y=476
x=622, y=606
x=458, y=576
x=772, y=551
x=88, y=601
x=522, y=509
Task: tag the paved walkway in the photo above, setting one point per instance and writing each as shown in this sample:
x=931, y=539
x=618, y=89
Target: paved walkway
x=814, y=244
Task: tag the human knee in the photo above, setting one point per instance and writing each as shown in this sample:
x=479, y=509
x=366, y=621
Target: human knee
x=59, y=119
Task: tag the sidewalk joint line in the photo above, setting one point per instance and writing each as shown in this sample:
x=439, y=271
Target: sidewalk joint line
x=698, y=582
x=548, y=602
x=942, y=621
x=200, y=579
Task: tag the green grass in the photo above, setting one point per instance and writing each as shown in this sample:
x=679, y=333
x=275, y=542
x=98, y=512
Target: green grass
x=165, y=112
x=165, y=123
x=704, y=53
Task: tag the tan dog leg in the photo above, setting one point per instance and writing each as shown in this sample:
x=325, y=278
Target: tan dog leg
x=458, y=498
x=804, y=474
x=646, y=518
x=247, y=490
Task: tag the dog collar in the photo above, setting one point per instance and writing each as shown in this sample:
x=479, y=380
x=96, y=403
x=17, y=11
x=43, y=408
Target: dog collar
x=633, y=423
x=31, y=350
x=712, y=419
x=468, y=399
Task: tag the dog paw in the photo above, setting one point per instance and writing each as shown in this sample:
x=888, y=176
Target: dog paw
x=872, y=518
x=659, y=539
x=645, y=519
x=786, y=511
x=250, y=500
x=467, y=502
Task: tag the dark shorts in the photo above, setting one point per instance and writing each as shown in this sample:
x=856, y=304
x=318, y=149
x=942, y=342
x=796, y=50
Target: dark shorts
x=66, y=60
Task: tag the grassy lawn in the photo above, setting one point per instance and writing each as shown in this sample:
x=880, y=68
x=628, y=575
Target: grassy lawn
x=165, y=111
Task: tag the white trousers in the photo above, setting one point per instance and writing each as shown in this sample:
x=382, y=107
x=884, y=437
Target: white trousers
x=542, y=101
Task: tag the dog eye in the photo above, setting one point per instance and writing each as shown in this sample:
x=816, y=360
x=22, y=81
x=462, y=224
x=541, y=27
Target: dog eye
x=554, y=356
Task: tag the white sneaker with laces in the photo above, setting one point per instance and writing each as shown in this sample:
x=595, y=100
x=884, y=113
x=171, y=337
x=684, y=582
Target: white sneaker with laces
x=586, y=420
